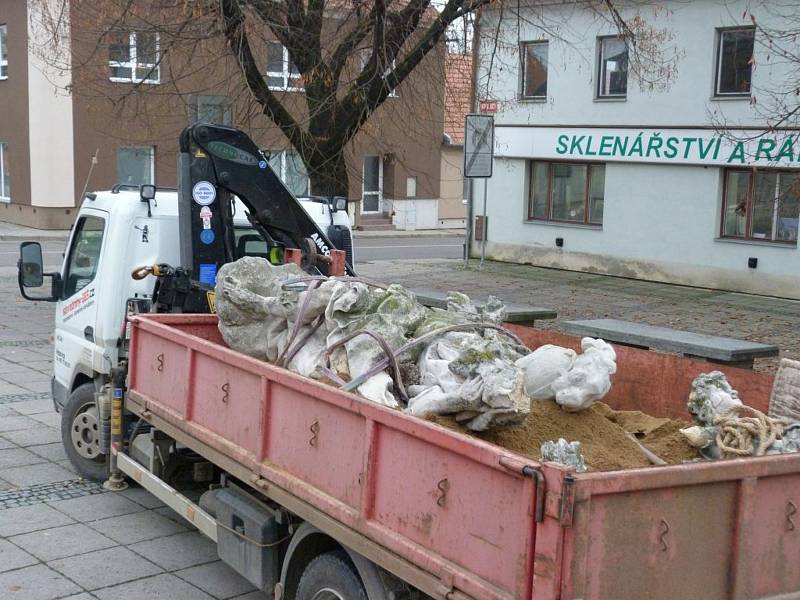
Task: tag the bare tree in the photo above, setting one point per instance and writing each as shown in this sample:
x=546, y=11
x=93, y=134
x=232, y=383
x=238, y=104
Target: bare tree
x=347, y=56
x=777, y=39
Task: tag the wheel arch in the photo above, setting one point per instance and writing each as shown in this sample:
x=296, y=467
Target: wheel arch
x=308, y=543
x=79, y=380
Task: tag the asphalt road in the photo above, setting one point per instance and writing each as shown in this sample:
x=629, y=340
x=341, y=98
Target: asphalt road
x=366, y=250
x=388, y=248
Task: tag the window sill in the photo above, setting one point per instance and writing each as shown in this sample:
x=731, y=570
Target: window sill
x=532, y=100
x=563, y=224
x=787, y=245
x=611, y=99
x=3, y=78
x=730, y=97
x=286, y=89
x=121, y=80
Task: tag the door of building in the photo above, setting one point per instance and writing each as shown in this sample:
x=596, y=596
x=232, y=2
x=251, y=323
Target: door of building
x=372, y=193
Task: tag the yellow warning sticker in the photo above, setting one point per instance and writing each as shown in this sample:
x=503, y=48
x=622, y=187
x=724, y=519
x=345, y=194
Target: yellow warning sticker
x=200, y=154
x=212, y=301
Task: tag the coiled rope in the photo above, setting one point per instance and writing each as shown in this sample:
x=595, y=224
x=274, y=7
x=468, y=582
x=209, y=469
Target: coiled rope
x=745, y=431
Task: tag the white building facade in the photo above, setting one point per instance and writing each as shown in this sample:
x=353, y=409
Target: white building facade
x=684, y=179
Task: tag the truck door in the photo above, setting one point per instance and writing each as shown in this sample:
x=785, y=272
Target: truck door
x=76, y=312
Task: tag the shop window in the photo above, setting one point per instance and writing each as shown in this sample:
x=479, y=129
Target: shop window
x=133, y=57
x=612, y=76
x=5, y=176
x=3, y=52
x=761, y=205
x=210, y=109
x=289, y=166
x=135, y=165
x=534, y=69
x=282, y=73
x=567, y=192
x=734, y=61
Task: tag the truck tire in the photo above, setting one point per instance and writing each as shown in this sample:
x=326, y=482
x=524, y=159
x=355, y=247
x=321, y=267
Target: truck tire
x=80, y=430
x=330, y=576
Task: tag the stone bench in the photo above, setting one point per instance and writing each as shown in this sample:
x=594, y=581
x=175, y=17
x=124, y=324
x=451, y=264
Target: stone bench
x=520, y=314
x=722, y=350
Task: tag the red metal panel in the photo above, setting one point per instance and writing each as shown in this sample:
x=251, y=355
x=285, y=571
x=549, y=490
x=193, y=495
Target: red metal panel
x=227, y=400
x=161, y=371
x=315, y=441
x=707, y=530
x=659, y=544
x=430, y=497
x=344, y=472
x=656, y=382
x=772, y=542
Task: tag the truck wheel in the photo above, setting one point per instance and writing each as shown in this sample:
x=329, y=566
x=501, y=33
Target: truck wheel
x=330, y=576
x=80, y=433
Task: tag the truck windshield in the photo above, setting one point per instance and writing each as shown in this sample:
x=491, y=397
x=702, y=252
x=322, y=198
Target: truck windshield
x=84, y=255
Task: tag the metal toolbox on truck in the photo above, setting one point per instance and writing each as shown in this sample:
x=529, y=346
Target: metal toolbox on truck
x=458, y=517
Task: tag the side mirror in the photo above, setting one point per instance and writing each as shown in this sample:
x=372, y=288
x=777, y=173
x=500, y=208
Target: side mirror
x=30, y=273
x=337, y=203
x=31, y=265
x=147, y=192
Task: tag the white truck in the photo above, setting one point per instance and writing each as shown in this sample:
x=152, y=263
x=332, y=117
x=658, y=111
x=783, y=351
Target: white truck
x=116, y=232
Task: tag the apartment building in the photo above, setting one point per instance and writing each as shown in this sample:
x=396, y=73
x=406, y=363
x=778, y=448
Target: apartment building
x=114, y=117
x=691, y=177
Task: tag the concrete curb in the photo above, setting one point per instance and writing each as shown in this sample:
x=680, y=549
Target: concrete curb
x=34, y=237
x=422, y=233
x=11, y=232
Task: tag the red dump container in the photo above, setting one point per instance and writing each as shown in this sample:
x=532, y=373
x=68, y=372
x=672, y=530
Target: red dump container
x=461, y=518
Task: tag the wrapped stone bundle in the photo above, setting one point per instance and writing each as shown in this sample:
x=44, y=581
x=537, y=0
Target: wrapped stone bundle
x=316, y=329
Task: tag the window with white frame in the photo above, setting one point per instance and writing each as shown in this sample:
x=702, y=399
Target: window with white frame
x=363, y=58
x=612, y=76
x=534, y=69
x=735, y=61
x=5, y=176
x=282, y=73
x=133, y=57
x=3, y=52
x=136, y=165
x=288, y=165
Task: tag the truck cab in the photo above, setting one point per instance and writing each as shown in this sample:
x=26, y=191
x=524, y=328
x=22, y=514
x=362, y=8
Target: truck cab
x=116, y=232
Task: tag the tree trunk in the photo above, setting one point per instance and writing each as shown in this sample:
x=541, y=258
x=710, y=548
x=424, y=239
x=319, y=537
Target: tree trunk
x=328, y=174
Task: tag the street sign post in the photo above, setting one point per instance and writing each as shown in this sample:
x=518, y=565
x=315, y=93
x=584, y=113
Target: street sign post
x=478, y=161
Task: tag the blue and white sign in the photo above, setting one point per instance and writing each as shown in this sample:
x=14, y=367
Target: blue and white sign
x=207, y=236
x=262, y=164
x=204, y=193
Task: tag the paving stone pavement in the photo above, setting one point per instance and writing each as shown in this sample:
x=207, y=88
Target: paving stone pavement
x=64, y=538
x=589, y=296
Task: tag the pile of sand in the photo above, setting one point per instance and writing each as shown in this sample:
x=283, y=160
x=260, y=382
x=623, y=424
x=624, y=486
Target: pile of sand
x=600, y=430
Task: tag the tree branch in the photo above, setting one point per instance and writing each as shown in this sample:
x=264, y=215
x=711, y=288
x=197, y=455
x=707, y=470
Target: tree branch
x=233, y=26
